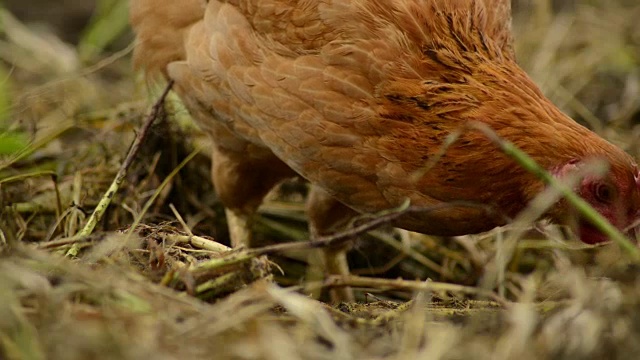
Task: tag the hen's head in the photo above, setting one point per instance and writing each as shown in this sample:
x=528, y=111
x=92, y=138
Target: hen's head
x=616, y=196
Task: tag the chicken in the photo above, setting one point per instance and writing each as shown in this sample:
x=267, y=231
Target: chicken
x=357, y=96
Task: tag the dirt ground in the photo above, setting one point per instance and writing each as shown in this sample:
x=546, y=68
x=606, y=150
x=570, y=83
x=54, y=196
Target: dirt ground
x=155, y=278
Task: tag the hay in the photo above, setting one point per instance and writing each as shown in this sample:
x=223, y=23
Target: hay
x=170, y=288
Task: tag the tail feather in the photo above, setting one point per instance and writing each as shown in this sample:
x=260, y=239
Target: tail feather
x=160, y=28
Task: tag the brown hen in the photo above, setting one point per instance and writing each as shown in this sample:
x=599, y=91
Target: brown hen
x=357, y=96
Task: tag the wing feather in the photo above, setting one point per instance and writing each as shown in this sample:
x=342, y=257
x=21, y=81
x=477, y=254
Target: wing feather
x=311, y=80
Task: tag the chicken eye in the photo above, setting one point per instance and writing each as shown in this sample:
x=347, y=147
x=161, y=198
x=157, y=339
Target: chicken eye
x=604, y=193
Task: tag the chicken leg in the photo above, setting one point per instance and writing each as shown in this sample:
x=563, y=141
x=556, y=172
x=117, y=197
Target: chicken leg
x=242, y=179
x=326, y=215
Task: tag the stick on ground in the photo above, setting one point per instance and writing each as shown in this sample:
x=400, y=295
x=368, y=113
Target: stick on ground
x=122, y=172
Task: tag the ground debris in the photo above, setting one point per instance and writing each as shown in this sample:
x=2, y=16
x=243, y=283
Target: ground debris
x=171, y=288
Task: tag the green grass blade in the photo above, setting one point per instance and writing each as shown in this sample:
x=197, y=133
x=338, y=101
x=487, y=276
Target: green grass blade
x=110, y=20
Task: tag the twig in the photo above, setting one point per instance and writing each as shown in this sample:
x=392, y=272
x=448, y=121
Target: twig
x=399, y=284
x=122, y=172
x=76, y=239
x=342, y=237
x=193, y=240
x=198, y=242
x=21, y=177
x=54, y=179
